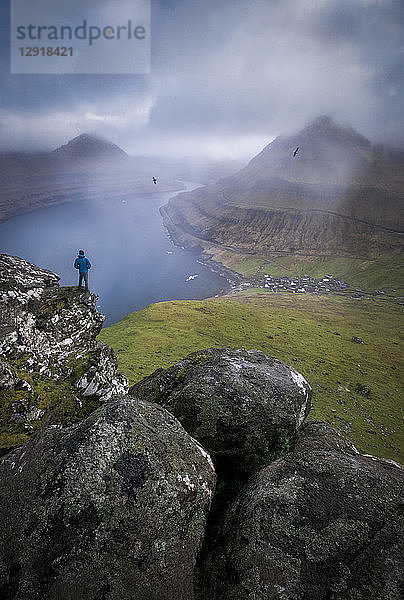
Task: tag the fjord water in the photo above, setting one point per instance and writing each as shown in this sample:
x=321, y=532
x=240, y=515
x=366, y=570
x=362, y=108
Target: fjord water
x=133, y=261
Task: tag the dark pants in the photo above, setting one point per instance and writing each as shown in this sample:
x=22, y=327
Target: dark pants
x=85, y=277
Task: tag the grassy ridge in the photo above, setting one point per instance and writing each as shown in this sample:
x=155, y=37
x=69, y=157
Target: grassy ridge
x=356, y=386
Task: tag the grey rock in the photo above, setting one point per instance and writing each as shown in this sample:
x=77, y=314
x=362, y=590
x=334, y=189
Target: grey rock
x=23, y=279
x=112, y=508
x=8, y=376
x=242, y=406
x=101, y=379
x=38, y=318
x=24, y=412
x=323, y=522
x=363, y=390
x=53, y=325
x=49, y=334
x=357, y=340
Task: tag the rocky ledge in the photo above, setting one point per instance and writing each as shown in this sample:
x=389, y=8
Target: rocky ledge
x=204, y=482
x=51, y=365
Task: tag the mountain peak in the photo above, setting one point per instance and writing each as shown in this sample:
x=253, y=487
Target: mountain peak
x=327, y=152
x=325, y=126
x=323, y=122
x=89, y=146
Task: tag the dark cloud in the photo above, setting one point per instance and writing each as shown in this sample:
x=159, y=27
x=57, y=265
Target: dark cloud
x=226, y=78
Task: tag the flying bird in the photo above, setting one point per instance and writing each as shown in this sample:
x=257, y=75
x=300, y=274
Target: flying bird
x=154, y=180
x=295, y=152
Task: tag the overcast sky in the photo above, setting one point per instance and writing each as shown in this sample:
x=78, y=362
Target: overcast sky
x=227, y=76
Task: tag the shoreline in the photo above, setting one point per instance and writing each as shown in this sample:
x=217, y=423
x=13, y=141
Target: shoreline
x=8, y=211
x=233, y=278
x=238, y=282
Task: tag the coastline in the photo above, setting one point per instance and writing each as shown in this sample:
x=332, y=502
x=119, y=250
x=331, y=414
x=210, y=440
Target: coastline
x=11, y=207
x=234, y=279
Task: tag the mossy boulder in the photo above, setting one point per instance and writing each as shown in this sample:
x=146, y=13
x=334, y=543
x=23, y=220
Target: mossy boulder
x=323, y=522
x=242, y=406
x=111, y=508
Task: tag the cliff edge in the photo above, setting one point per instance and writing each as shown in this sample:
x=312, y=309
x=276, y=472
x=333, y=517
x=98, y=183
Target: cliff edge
x=52, y=367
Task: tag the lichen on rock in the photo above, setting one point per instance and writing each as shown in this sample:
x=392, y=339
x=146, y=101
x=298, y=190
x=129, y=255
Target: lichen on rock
x=113, y=507
x=47, y=336
x=244, y=407
x=321, y=522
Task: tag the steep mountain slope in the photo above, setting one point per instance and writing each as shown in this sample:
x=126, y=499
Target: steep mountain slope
x=337, y=195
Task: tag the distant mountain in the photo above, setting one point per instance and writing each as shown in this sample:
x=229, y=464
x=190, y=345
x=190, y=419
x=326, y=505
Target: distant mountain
x=90, y=147
x=322, y=191
x=85, y=167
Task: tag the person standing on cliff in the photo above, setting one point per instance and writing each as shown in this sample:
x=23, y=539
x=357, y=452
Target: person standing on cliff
x=83, y=265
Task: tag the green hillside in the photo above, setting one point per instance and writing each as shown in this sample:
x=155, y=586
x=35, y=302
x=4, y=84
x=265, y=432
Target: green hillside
x=356, y=386
x=384, y=271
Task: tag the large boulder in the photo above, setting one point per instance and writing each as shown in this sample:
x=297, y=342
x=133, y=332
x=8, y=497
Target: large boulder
x=112, y=508
x=241, y=405
x=321, y=523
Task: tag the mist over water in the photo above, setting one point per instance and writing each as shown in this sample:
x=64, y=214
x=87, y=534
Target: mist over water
x=130, y=252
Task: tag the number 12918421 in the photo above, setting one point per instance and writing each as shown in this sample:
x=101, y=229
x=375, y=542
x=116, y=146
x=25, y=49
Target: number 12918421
x=46, y=51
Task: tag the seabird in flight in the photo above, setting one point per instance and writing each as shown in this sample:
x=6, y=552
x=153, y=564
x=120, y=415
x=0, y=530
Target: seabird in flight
x=295, y=152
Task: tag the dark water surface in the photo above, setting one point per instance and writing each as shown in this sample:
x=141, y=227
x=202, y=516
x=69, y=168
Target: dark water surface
x=126, y=244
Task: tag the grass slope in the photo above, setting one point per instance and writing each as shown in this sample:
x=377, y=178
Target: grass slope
x=357, y=387
x=380, y=272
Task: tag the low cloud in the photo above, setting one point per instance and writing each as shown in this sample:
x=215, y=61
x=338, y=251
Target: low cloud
x=226, y=77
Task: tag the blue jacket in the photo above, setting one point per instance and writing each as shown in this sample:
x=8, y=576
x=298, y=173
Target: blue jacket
x=82, y=263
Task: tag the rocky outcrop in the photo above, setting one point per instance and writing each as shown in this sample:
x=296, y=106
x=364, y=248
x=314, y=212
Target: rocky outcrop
x=241, y=405
x=51, y=361
x=8, y=377
x=321, y=522
x=112, y=508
